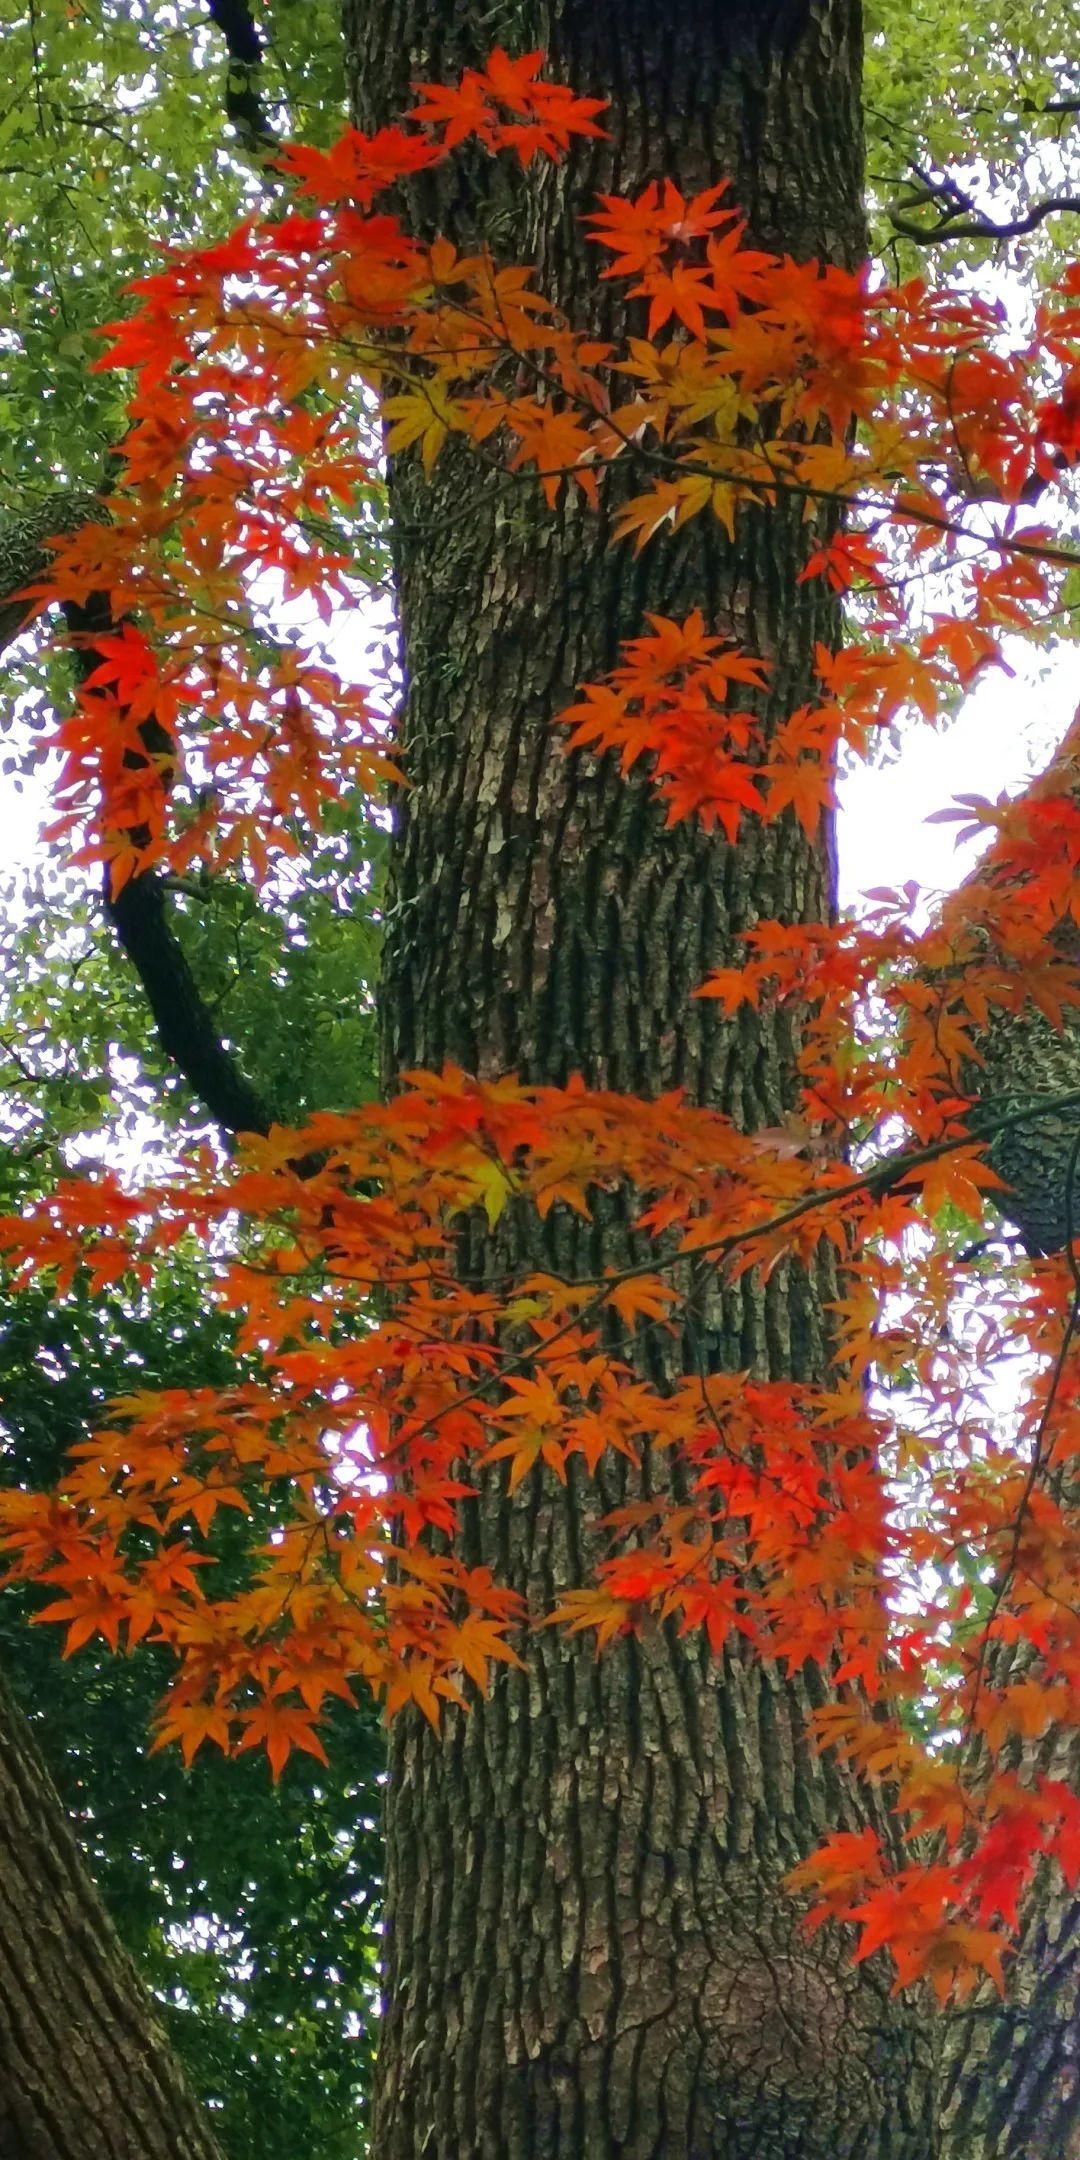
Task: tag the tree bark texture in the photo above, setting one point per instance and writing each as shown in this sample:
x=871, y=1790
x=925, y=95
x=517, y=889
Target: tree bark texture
x=85, y=2070
x=1010, y=2071
x=589, y=1950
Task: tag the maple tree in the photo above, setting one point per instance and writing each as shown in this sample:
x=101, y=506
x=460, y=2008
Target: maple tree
x=800, y=1523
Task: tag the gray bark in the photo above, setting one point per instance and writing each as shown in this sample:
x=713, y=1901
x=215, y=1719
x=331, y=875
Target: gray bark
x=85, y=2070
x=589, y=1950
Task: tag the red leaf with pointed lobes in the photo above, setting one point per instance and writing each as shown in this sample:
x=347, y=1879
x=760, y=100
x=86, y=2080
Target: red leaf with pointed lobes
x=279, y=1727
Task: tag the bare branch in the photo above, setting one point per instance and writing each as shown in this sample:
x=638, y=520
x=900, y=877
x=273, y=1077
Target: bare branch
x=957, y=223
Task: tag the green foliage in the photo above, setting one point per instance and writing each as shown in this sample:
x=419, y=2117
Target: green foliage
x=113, y=143
x=289, y=975
x=977, y=90
x=250, y=1908
x=1017, y=60
x=292, y=976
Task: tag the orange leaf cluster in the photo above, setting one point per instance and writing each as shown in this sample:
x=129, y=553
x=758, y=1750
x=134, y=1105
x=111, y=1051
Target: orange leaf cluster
x=894, y=1545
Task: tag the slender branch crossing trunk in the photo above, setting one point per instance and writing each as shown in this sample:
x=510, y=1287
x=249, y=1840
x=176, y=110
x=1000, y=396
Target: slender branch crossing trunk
x=589, y=1949
x=85, y=2071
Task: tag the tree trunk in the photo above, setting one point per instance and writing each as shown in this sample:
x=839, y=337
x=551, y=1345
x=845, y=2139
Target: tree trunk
x=589, y=1950
x=85, y=2071
x=1010, y=2072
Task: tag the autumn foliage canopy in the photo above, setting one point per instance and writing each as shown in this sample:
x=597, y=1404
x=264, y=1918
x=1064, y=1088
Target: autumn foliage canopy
x=893, y=1524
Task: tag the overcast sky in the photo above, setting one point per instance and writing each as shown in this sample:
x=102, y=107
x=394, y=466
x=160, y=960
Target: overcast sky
x=1004, y=734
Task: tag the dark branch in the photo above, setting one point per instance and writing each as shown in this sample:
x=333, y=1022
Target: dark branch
x=243, y=100
x=1053, y=105
x=140, y=916
x=961, y=224
x=24, y=556
x=236, y=23
x=139, y=912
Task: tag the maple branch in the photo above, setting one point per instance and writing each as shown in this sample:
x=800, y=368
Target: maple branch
x=890, y=1171
x=867, y=496
x=878, y=1178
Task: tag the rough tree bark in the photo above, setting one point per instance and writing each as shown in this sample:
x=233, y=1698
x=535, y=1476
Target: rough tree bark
x=1010, y=2071
x=86, y=2073
x=589, y=1951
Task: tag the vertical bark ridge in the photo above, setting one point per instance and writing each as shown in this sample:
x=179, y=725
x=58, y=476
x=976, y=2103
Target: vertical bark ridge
x=1010, y=2069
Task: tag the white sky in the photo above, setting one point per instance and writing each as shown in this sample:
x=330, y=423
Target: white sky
x=1004, y=734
